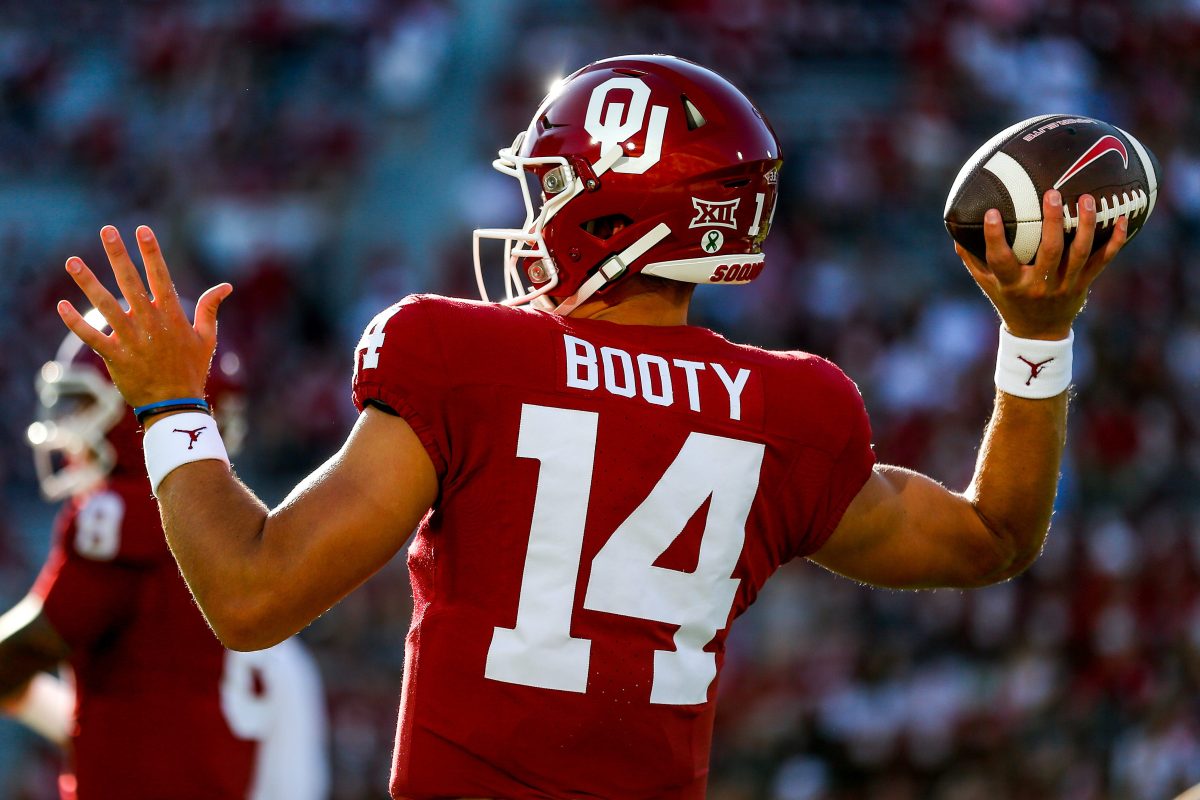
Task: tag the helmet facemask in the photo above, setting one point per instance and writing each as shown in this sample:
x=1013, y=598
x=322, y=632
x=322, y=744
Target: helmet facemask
x=71, y=450
x=547, y=184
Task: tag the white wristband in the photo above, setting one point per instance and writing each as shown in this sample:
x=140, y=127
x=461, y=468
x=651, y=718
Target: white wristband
x=181, y=439
x=1033, y=368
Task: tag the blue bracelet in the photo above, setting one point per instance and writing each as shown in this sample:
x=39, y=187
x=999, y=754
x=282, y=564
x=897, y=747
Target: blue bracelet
x=163, y=406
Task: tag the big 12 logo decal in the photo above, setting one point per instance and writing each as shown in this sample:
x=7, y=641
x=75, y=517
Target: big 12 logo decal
x=610, y=123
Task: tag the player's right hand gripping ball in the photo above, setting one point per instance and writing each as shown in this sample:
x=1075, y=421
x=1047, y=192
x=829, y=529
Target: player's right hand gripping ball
x=1077, y=156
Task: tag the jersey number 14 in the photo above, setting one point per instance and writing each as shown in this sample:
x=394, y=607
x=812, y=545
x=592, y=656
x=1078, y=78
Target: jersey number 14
x=539, y=650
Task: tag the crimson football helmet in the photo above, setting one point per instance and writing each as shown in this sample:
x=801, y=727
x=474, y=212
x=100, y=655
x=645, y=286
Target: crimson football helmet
x=86, y=432
x=638, y=164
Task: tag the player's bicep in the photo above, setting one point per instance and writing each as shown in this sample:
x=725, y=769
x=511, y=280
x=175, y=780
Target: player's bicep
x=381, y=483
x=348, y=518
x=904, y=530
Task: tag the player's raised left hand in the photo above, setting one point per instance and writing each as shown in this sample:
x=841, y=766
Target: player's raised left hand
x=1042, y=299
x=153, y=351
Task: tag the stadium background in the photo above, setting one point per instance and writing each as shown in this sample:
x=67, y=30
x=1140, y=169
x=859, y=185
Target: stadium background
x=329, y=156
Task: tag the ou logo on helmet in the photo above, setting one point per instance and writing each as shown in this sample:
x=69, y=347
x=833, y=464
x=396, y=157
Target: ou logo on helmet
x=610, y=123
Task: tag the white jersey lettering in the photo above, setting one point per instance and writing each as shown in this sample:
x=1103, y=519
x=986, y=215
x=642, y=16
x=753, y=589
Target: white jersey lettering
x=656, y=379
x=581, y=363
x=734, y=387
x=690, y=368
x=626, y=386
x=665, y=396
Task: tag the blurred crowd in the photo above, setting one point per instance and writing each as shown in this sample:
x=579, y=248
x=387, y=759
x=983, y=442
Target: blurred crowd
x=330, y=156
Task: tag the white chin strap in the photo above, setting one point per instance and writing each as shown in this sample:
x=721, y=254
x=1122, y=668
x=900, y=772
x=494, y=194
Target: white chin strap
x=610, y=270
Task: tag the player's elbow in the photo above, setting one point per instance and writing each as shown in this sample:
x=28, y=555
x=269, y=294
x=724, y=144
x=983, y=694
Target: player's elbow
x=1004, y=554
x=998, y=569
x=243, y=641
x=1019, y=564
x=245, y=625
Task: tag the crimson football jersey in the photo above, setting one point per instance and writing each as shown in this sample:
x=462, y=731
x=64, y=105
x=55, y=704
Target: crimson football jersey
x=152, y=719
x=611, y=498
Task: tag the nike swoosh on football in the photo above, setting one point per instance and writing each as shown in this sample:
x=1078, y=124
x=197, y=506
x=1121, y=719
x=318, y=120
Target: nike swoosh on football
x=1105, y=144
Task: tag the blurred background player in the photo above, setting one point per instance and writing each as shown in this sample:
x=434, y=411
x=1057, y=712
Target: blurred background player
x=152, y=706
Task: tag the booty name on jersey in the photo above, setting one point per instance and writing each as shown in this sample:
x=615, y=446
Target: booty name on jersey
x=656, y=379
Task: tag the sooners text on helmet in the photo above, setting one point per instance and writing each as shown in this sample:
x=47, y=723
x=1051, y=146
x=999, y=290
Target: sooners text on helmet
x=728, y=273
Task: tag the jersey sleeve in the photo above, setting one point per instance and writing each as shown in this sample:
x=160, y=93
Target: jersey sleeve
x=398, y=365
x=102, y=544
x=831, y=479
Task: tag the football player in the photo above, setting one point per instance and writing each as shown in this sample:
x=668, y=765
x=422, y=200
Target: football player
x=599, y=489
x=158, y=708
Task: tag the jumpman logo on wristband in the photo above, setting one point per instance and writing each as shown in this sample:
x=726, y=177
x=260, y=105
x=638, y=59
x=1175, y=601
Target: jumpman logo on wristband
x=192, y=434
x=1034, y=369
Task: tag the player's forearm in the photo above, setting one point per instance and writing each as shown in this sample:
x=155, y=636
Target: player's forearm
x=261, y=576
x=215, y=528
x=1016, y=475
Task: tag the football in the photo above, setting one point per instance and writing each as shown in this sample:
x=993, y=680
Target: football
x=1077, y=156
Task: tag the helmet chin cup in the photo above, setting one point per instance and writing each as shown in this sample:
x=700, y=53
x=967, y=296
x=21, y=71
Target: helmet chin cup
x=58, y=483
x=518, y=246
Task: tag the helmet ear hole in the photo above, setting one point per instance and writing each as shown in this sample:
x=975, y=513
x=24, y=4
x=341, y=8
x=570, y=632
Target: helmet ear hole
x=605, y=227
